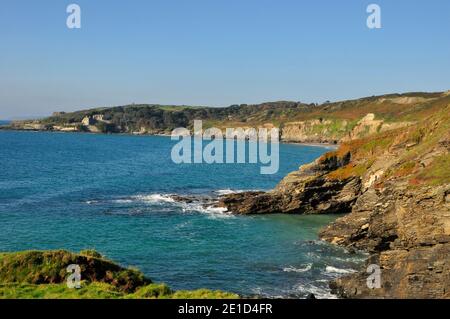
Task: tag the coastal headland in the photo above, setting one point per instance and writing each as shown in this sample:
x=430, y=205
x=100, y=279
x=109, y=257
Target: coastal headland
x=390, y=176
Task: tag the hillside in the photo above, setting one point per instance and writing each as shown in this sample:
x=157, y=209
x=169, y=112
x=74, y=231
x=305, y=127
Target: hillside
x=394, y=187
x=298, y=122
x=43, y=275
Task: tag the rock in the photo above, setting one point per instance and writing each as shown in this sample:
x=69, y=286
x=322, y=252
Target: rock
x=395, y=188
x=306, y=191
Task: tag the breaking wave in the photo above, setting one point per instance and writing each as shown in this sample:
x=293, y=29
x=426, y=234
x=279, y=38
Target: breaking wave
x=331, y=269
x=197, y=204
x=320, y=292
x=228, y=191
x=154, y=198
x=302, y=269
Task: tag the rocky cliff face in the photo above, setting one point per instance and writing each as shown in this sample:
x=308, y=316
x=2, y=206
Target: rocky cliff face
x=306, y=191
x=298, y=122
x=407, y=235
x=315, y=131
x=395, y=187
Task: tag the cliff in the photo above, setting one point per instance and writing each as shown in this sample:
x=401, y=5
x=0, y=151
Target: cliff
x=298, y=122
x=394, y=187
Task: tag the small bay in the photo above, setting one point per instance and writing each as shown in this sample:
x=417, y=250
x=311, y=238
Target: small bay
x=113, y=193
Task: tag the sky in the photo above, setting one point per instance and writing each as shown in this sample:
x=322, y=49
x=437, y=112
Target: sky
x=216, y=52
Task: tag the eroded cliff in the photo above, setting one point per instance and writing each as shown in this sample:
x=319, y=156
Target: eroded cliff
x=329, y=122
x=394, y=186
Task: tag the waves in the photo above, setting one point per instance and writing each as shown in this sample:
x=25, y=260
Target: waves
x=335, y=270
x=227, y=191
x=149, y=199
x=319, y=291
x=301, y=269
x=203, y=203
x=317, y=262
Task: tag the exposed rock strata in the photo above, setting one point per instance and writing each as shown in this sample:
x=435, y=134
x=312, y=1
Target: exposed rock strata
x=328, y=122
x=407, y=233
x=307, y=191
x=395, y=187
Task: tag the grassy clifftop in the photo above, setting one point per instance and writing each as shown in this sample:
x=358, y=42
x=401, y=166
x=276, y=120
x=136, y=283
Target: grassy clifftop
x=299, y=122
x=394, y=188
x=415, y=155
x=43, y=274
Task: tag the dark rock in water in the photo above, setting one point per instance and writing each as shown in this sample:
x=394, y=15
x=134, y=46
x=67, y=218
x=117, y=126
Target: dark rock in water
x=306, y=191
x=183, y=199
x=191, y=198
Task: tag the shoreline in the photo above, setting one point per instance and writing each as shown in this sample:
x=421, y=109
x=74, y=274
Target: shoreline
x=330, y=146
x=126, y=134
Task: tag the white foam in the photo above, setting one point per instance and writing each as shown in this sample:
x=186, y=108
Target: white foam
x=319, y=292
x=227, y=191
x=213, y=212
x=154, y=198
x=122, y=201
x=331, y=269
x=200, y=206
x=302, y=269
x=148, y=199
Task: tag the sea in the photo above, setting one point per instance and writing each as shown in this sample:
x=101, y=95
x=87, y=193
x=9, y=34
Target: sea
x=116, y=194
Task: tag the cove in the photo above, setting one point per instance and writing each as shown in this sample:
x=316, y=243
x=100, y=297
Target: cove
x=113, y=193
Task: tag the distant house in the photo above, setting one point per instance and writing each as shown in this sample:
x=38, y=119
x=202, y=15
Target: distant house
x=98, y=117
x=101, y=118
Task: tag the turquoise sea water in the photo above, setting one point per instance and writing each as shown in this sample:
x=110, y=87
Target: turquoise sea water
x=112, y=193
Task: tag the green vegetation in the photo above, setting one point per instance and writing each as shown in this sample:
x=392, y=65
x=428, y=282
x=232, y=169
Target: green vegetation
x=336, y=119
x=98, y=290
x=376, y=144
x=43, y=274
x=350, y=170
x=438, y=173
x=418, y=154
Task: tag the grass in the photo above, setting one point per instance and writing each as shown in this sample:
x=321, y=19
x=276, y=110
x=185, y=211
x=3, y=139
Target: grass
x=43, y=275
x=47, y=267
x=59, y=291
x=96, y=290
x=410, y=147
x=436, y=174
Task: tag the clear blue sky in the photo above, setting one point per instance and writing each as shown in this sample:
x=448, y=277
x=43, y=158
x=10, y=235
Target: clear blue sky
x=216, y=52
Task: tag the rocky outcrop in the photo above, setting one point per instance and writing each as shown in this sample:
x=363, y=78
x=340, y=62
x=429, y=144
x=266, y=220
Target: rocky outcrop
x=407, y=233
x=28, y=126
x=306, y=191
x=369, y=125
x=395, y=188
x=314, y=131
